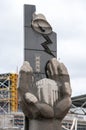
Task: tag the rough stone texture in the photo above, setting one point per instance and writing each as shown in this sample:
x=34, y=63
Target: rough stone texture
x=46, y=109
x=45, y=124
x=39, y=19
x=44, y=105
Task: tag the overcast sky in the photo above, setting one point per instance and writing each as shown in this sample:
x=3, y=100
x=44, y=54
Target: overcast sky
x=68, y=19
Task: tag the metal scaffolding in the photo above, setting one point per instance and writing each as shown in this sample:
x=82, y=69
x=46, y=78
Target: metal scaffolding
x=76, y=118
x=74, y=122
x=8, y=93
x=14, y=92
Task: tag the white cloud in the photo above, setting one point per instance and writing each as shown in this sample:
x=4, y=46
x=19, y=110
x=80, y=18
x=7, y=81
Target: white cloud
x=78, y=86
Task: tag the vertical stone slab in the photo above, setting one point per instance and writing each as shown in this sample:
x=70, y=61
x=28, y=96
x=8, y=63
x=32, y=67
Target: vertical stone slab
x=33, y=50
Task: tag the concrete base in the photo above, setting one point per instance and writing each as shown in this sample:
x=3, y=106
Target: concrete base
x=44, y=124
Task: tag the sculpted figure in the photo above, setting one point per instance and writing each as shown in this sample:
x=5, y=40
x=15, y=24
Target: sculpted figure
x=47, y=100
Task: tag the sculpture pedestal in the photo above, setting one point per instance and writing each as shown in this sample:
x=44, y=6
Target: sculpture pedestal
x=44, y=124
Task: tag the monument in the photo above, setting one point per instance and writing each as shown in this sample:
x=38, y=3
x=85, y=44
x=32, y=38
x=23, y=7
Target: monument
x=44, y=82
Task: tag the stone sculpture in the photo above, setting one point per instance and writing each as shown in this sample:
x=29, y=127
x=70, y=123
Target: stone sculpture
x=45, y=102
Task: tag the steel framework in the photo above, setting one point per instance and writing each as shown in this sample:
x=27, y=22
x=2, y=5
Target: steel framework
x=8, y=93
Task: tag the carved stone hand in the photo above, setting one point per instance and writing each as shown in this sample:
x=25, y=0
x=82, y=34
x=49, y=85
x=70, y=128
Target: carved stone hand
x=46, y=98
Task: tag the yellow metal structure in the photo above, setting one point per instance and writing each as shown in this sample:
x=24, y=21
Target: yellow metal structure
x=8, y=93
x=13, y=92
